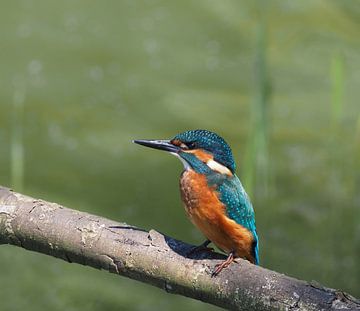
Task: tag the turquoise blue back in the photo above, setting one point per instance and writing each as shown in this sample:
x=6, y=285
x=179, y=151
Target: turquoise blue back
x=239, y=208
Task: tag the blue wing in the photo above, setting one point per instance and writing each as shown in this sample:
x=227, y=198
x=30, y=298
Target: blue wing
x=239, y=207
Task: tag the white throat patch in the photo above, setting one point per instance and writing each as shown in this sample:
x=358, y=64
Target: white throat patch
x=186, y=165
x=216, y=166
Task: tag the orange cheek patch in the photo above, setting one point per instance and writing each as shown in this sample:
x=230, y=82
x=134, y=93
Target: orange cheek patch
x=201, y=155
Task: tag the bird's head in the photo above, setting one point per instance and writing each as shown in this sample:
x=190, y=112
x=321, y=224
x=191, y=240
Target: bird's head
x=197, y=149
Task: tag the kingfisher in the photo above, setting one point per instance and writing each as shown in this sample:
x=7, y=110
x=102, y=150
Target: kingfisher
x=214, y=199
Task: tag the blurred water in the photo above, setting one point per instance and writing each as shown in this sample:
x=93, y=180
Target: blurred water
x=93, y=76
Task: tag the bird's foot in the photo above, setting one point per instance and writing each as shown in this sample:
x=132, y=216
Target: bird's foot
x=219, y=267
x=201, y=248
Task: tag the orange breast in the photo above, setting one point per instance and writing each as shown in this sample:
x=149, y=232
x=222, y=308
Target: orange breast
x=208, y=213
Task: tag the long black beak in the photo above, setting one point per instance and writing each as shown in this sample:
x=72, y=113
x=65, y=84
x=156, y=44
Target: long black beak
x=158, y=144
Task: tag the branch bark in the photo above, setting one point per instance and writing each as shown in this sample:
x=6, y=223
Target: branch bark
x=156, y=259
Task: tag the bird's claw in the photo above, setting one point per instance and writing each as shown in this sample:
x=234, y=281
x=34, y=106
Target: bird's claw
x=220, y=266
x=217, y=270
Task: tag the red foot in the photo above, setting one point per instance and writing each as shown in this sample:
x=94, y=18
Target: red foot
x=223, y=265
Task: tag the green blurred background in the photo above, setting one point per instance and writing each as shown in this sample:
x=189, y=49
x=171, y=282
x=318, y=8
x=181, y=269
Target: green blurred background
x=279, y=80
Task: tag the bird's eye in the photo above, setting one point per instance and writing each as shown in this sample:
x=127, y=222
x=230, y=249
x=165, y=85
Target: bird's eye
x=191, y=145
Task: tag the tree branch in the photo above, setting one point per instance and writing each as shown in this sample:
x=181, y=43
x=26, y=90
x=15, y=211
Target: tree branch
x=154, y=258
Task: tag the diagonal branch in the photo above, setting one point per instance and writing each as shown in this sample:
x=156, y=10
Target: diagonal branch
x=154, y=258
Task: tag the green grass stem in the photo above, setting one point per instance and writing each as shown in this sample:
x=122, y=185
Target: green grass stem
x=17, y=141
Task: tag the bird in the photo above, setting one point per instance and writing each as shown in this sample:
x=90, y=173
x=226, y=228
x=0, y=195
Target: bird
x=214, y=198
